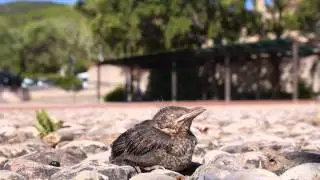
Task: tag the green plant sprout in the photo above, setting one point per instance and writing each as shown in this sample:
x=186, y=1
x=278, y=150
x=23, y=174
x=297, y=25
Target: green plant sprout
x=45, y=124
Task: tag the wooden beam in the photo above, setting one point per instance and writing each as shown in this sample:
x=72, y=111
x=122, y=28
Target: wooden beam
x=227, y=79
x=295, y=58
x=101, y=59
x=129, y=83
x=173, y=81
x=98, y=83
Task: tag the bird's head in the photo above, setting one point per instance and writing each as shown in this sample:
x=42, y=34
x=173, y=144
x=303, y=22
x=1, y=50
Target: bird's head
x=174, y=119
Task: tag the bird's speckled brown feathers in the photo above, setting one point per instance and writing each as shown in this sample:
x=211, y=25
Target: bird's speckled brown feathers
x=140, y=140
x=162, y=141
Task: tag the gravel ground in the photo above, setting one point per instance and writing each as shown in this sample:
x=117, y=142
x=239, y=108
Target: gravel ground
x=221, y=128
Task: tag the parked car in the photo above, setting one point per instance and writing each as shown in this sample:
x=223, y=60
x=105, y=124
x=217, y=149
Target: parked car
x=27, y=82
x=4, y=78
x=84, y=78
x=36, y=83
x=10, y=80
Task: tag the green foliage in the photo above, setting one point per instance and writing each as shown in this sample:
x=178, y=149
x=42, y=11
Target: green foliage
x=115, y=25
x=305, y=92
x=285, y=17
x=118, y=94
x=42, y=37
x=18, y=14
x=45, y=124
x=24, y=7
x=130, y=28
x=306, y=16
x=68, y=83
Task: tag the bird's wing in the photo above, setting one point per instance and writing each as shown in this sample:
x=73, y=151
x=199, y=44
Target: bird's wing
x=140, y=140
x=145, y=139
x=118, y=146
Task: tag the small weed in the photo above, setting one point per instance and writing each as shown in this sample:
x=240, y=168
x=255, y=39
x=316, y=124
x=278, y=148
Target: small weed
x=45, y=124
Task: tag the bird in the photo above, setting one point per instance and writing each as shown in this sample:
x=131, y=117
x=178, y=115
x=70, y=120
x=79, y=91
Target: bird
x=164, y=142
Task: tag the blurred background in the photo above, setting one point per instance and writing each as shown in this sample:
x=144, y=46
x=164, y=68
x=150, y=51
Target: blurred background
x=88, y=51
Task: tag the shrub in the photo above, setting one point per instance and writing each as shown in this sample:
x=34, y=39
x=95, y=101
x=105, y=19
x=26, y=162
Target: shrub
x=68, y=83
x=305, y=92
x=118, y=94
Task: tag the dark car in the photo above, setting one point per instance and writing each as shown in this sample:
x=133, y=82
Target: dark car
x=5, y=78
x=10, y=80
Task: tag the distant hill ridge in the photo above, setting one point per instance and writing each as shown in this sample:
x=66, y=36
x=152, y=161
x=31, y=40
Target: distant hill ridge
x=26, y=6
x=18, y=14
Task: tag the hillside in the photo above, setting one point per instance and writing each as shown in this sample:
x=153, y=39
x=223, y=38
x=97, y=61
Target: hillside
x=19, y=13
x=25, y=7
x=41, y=32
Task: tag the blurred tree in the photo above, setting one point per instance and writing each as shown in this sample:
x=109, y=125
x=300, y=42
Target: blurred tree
x=133, y=27
x=305, y=16
x=177, y=24
x=279, y=17
x=40, y=37
x=268, y=23
x=282, y=15
x=115, y=25
x=39, y=51
x=76, y=40
x=44, y=46
x=8, y=48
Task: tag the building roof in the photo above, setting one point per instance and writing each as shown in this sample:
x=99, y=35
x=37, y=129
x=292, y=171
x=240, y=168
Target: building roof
x=248, y=51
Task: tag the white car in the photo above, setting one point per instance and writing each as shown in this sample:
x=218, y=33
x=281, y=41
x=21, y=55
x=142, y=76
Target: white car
x=27, y=82
x=84, y=76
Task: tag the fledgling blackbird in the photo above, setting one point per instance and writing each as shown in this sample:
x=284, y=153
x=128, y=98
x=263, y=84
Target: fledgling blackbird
x=163, y=142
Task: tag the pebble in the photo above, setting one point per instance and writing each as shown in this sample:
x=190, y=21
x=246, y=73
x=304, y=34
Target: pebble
x=66, y=157
x=152, y=176
x=30, y=169
x=112, y=172
x=87, y=146
x=219, y=163
x=306, y=171
x=252, y=174
x=10, y=175
x=89, y=175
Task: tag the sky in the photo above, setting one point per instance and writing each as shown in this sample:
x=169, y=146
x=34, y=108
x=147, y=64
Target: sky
x=248, y=4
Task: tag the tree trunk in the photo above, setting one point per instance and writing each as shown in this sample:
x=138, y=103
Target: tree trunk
x=22, y=59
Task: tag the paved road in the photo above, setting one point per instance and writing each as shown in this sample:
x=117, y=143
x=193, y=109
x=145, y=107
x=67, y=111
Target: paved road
x=215, y=104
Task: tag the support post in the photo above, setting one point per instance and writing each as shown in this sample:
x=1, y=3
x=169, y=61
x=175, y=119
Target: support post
x=173, y=81
x=129, y=83
x=295, y=58
x=227, y=80
x=72, y=73
x=101, y=59
x=98, y=82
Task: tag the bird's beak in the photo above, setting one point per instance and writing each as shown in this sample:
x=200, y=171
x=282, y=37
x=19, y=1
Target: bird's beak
x=191, y=115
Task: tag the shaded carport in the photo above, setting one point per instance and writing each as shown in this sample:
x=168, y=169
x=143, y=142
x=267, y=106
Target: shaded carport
x=220, y=54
